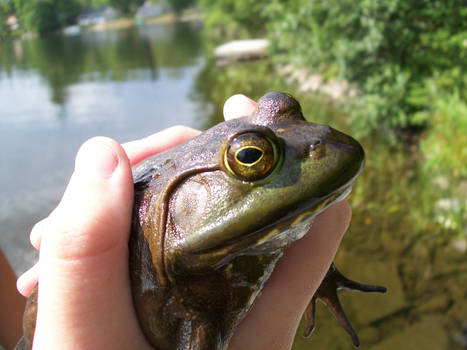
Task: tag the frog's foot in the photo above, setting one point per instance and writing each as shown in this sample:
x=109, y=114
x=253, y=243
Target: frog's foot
x=327, y=292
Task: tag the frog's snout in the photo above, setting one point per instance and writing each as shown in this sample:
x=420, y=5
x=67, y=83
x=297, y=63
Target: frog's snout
x=333, y=142
x=346, y=144
x=350, y=155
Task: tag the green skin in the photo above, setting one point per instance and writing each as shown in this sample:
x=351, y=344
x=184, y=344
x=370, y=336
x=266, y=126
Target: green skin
x=207, y=234
x=204, y=241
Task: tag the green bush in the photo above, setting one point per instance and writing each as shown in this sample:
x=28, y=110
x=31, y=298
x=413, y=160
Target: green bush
x=4, y=13
x=44, y=16
x=445, y=160
x=444, y=145
x=388, y=49
x=234, y=19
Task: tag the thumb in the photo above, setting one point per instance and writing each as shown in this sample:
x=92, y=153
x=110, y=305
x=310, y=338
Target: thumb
x=84, y=289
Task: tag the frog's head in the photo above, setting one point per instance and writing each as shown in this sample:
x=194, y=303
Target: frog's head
x=270, y=173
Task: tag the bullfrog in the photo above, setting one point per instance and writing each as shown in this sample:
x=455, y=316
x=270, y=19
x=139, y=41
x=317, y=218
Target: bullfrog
x=213, y=216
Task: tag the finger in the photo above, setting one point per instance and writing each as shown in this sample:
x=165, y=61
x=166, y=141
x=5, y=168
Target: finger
x=37, y=232
x=101, y=171
x=84, y=291
x=274, y=318
x=27, y=281
x=238, y=106
x=159, y=142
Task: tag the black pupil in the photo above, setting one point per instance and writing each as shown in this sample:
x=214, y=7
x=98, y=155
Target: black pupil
x=249, y=155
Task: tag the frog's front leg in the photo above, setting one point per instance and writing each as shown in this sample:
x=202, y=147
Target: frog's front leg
x=327, y=293
x=199, y=335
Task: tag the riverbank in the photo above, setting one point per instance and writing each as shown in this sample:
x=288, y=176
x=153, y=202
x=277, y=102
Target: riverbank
x=127, y=22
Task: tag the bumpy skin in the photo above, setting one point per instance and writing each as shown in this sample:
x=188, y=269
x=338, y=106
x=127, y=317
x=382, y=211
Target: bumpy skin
x=213, y=216
x=204, y=241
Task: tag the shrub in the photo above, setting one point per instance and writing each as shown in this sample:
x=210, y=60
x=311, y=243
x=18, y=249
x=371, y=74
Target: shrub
x=389, y=49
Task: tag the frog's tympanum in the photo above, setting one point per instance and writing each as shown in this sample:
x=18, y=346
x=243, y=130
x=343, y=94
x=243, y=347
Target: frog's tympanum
x=214, y=215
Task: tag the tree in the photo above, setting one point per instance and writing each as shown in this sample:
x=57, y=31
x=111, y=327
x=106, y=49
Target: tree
x=46, y=15
x=179, y=5
x=233, y=19
x=125, y=6
x=391, y=50
x=4, y=13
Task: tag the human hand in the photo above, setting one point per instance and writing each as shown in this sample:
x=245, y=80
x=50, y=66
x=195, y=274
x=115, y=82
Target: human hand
x=84, y=290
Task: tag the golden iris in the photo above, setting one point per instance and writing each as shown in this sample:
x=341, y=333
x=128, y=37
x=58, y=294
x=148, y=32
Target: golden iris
x=251, y=156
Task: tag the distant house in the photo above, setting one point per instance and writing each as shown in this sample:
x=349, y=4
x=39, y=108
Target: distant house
x=97, y=16
x=12, y=22
x=149, y=9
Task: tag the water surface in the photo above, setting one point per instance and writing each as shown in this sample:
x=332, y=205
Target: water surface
x=56, y=92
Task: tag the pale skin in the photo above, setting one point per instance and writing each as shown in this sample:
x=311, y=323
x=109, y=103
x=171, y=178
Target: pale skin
x=84, y=291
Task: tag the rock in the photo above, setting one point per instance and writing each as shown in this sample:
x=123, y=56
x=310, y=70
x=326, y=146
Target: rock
x=443, y=182
x=460, y=336
x=72, y=30
x=436, y=303
x=240, y=50
x=447, y=204
x=335, y=89
x=313, y=83
x=460, y=245
x=428, y=334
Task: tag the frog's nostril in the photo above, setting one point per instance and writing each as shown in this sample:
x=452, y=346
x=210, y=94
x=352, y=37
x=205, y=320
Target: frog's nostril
x=314, y=145
x=316, y=148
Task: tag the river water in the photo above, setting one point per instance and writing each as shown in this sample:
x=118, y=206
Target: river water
x=56, y=92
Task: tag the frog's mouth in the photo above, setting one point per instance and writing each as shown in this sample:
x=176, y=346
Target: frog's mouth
x=295, y=225
x=279, y=233
x=292, y=227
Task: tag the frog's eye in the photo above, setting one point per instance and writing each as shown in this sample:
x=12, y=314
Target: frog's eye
x=251, y=156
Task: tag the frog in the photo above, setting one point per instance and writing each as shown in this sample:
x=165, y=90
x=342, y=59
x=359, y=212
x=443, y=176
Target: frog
x=213, y=216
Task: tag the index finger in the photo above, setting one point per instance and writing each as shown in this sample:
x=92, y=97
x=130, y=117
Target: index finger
x=236, y=106
x=159, y=142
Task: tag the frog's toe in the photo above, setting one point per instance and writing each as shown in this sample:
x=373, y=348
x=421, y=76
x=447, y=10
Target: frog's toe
x=310, y=317
x=327, y=293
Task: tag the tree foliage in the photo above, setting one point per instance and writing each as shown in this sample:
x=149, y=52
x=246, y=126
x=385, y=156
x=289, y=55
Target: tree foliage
x=392, y=51
x=234, y=19
x=125, y=6
x=4, y=13
x=46, y=15
x=389, y=49
x=179, y=5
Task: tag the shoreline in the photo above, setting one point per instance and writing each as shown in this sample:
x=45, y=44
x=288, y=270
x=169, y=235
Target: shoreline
x=127, y=22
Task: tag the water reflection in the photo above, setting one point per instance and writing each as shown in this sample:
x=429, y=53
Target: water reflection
x=117, y=55
x=57, y=91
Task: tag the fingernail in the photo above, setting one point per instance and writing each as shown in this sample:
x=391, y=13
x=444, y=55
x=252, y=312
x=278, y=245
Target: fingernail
x=27, y=281
x=96, y=158
x=37, y=232
x=238, y=106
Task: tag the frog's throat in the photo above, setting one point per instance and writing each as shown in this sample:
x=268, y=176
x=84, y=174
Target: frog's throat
x=158, y=241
